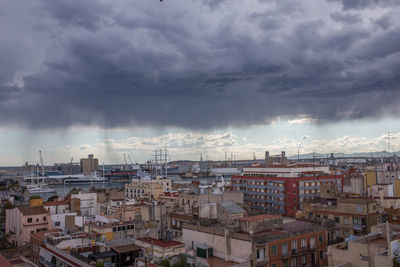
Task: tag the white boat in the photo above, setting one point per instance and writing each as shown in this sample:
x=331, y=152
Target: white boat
x=41, y=189
x=84, y=179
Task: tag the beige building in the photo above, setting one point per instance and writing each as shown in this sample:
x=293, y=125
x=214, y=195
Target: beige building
x=160, y=249
x=188, y=201
x=352, y=216
x=146, y=188
x=89, y=165
x=366, y=251
x=23, y=221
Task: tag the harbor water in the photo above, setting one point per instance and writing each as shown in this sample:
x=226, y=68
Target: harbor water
x=63, y=189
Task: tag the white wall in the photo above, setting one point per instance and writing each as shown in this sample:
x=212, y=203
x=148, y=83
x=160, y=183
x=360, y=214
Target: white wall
x=61, y=219
x=240, y=250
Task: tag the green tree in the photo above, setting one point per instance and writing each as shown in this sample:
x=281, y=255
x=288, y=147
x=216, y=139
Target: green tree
x=4, y=244
x=181, y=262
x=52, y=198
x=164, y=262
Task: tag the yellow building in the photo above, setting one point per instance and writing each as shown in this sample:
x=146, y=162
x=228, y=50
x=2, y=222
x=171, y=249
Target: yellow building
x=396, y=187
x=36, y=202
x=369, y=180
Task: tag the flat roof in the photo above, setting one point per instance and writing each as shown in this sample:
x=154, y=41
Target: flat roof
x=259, y=217
x=159, y=243
x=300, y=226
x=231, y=207
x=360, y=200
x=55, y=203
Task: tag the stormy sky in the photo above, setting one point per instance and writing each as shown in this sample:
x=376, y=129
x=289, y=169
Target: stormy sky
x=198, y=65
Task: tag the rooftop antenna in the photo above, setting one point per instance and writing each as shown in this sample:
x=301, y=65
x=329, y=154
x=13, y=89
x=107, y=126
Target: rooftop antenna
x=156, y=155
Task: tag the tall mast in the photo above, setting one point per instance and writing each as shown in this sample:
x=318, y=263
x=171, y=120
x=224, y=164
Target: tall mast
x=41, y=161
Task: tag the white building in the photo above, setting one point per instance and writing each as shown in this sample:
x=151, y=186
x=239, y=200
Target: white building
x=58, y=220
x=88, y=203
x=56, y=207
x=289, y=170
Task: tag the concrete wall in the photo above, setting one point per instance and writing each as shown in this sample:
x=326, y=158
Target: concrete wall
x=60, y=218
x=88, y=203
x=260, y=225
x=351, y=255
x=387, y=190
x=223, y=246
x=208, y=211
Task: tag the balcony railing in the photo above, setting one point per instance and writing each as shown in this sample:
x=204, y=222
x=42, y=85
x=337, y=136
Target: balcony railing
x=301, y=251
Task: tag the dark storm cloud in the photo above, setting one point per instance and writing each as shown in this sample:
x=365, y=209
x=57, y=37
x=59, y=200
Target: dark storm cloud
x=200, y=64
x=359, y=4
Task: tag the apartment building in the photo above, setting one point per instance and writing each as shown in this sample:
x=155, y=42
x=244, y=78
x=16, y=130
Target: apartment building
x=23, y=221
x=160, y=249
x=352, y=216
x=59, y=211
x=284, y=194
x=59, y=240
x=264, y=240
x=84, y=204
x=147, y=188
x=371, y=250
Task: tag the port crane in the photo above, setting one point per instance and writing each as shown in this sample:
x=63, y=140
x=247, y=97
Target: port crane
x=126, y=163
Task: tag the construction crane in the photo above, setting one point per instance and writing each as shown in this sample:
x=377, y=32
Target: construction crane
x=130, y=161
x=41, y=161
x=126, y=163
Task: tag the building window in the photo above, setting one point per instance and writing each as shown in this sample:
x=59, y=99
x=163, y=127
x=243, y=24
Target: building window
x=304, y=259
x=312, y=242
x=274, y=250
x=346, y=221
x=303, y=243
x=294, y=244
x=56, y=224
x=37, y=219
x=29, y=220
x=44, y=218
x=258, y=254
x=321, y=254
x=274, y=265
x=294, y=262
x=321, y=238
x=285, y=263
x=284, y=249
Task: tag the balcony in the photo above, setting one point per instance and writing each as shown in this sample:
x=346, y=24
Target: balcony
x=285, y=256
x=262, y=262
x=358, y=227
x=302, y=251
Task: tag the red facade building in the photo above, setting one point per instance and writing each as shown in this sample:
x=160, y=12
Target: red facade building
x=282, y=195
